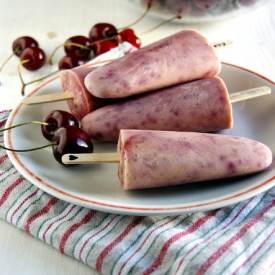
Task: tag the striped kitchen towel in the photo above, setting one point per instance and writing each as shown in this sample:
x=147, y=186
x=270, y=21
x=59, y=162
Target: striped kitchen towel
x=239, y=239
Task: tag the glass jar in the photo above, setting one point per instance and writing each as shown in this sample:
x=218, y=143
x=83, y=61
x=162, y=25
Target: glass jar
x=196, y=11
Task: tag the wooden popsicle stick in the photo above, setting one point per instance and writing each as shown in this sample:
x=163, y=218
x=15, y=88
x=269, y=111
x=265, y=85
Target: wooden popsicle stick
x=234, y=97
x=47, y=98
x=97, y=158
x=222, y=44
x=248, y=94
x=94, y=158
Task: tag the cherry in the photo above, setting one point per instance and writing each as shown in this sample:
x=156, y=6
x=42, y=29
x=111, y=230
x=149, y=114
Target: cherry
x=79, y=45
x=55, y=120
x=19, y=45
x=129, y=36
x=103, y=47
x=102, y=31
x=70, y=139
x=50, y=123
x=70, y=61
x=72, y=46
x=33, y=58
x=23, y=42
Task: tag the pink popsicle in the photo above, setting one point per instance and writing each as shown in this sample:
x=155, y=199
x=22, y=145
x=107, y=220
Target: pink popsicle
x=199, y=106
x=179, y=58
x=150, y=159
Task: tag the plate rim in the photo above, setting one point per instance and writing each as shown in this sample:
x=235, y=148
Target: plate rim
x=134, y=209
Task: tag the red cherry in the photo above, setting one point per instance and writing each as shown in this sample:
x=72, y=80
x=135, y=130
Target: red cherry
x=57, y=119
x=21, y=43
x=102, y=31
x=103, y=47
x=70, y=61
x=76, y=50
x=33, y=58
x=129, y=36
x=18, y=46
x=71, y=139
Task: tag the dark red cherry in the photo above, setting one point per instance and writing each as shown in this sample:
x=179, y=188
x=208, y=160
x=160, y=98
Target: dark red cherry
x=129, y=36
x=70, y=61
x=33, y=58
x=71, y=139
x=57, y=119
x=76, y=50
x=103, y=47
x=23, y=42
x=101, y=31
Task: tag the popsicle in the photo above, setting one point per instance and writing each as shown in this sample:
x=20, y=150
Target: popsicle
x=82, y=101
x=179, y=58
x=199, y=106
x=151, y=159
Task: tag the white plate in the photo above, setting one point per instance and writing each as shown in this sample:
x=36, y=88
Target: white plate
x=97, y=186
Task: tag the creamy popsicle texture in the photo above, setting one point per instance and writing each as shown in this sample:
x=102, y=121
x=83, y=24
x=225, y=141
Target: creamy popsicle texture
x=182, y=57
x=83, y=102
x=199, y=106
x=150, y=159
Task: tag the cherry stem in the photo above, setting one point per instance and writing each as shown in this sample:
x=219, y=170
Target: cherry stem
x=50, y=74
x=7, y=60
x=140, y=18
x=28, y=150
x=26, y=123
x=20, y=75
x=31, y=149
x=161, y=24
x=67, y=44
x=36, y=80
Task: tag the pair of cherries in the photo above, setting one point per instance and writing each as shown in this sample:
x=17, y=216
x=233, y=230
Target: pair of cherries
x=62, y=129
x=31, y=56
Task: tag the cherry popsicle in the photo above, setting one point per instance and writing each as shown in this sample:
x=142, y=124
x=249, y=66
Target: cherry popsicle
x=203, y=105
x=179, y=58
x=70, y=94
x=151, y=159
